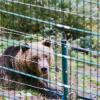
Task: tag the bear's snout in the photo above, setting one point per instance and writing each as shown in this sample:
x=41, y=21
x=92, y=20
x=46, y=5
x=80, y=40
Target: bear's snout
x=44, y=69
x=45, y=72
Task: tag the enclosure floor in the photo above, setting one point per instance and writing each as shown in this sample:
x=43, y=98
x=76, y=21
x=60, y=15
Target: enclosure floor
x=20, y=95
x=17, y=95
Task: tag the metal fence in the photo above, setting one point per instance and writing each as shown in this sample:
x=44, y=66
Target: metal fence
x=73, y=31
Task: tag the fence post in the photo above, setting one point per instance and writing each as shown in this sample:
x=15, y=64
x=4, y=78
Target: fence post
x=64, y=66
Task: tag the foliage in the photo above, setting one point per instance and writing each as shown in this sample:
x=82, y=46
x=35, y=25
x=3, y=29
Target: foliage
x=15, y=22
x=86, y=42
x=90, y=43
x=96, y=44
x=42, y=12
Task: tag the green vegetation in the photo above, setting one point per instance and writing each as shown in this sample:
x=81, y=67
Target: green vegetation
x=41, y=10
x=90, y=42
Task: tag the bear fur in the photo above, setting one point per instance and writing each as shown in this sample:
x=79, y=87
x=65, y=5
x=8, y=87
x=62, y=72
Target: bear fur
x=33, y=58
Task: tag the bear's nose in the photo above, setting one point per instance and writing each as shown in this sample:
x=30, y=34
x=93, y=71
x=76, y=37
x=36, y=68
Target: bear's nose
x=44, y=69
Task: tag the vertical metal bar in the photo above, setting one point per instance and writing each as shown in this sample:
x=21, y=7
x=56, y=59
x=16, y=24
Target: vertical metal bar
x=64, y=67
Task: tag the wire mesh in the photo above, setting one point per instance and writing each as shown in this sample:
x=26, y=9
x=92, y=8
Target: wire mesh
x=25, y=25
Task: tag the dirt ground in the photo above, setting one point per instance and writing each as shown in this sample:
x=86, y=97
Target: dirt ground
x=86, y=81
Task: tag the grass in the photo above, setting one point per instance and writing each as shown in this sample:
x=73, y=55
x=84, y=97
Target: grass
x=85, y=57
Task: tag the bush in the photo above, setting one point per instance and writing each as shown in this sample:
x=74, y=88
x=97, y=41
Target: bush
x=89, y=42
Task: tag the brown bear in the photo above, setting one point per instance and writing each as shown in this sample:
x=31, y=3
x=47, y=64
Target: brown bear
x=34, y=58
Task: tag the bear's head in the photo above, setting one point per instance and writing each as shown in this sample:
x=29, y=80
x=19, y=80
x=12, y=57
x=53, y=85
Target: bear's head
x=36, y=58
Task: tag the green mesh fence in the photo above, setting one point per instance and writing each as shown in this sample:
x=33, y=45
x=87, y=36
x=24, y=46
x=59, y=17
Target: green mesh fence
x=49, y=49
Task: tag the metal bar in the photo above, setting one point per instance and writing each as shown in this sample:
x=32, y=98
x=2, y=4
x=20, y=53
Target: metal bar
x=64, y=68
x=50, y=23
x=3, y=29
x=52, y=8
x=32, y=76
x=59, y=55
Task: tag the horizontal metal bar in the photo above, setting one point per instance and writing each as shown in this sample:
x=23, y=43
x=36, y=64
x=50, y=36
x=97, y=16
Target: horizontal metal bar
x=34, y=87
x=84, y=98
x=50, y=23
x=59, y=55
x=53, y=9
x=4, y=29
x=85, y=50
x=34, y=77
x=53, y=42
x=79, y=90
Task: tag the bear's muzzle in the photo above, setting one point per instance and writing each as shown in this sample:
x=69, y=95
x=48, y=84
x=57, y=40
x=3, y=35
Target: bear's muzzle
x=44, y=69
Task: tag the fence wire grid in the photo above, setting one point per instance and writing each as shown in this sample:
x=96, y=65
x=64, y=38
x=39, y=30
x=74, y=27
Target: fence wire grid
x=49, y=49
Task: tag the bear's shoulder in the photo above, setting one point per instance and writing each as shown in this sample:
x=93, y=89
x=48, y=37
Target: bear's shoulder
x=12, y=50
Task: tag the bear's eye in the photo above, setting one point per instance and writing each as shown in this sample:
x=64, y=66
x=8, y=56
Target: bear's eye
x=36, y=58
x=45, y=56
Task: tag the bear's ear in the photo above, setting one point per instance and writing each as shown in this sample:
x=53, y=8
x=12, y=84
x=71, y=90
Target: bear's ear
x=47, y=43
x=25, y=47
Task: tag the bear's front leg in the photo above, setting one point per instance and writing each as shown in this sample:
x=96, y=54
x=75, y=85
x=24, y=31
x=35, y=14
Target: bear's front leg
x=50, y=91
